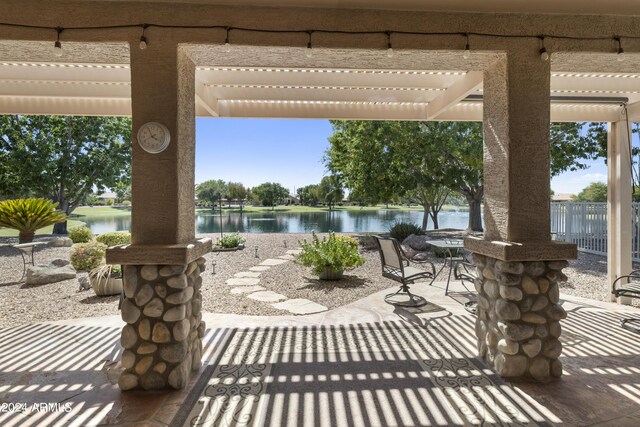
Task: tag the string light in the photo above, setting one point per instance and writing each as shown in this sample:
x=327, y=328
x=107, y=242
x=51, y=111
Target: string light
x=309, y=52
x=143, y=39
x=620, y=56
x=57, y=46
x=544, y=55
x=467, y=51
x=467, y=48
x=389, y=47
x=227, y=45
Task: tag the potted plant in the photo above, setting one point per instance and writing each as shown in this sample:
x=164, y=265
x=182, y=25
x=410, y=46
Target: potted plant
x=106, y=280
x=229, y=242
x=331, y=256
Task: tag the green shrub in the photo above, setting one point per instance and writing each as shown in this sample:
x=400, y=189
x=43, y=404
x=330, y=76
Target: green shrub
x=29, y=215
x=126, y=202
x=87, y=256
x=230, y=241
x=80, y=234
x=115, y=238
x=109, y=202
x=401, y=230
x=336, y=253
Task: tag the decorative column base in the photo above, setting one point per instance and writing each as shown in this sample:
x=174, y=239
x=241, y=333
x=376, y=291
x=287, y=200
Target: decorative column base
x=518, y=322
x=162, y=338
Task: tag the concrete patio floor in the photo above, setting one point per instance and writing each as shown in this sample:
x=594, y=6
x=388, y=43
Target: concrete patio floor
x=367, y=363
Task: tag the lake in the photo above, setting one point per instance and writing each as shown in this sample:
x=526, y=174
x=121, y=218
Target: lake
x=360, y=221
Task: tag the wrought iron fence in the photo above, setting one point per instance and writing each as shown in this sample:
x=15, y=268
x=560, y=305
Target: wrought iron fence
x=585, y=224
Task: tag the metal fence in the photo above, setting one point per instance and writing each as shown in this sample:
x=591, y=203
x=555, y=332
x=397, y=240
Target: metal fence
x=585, y=224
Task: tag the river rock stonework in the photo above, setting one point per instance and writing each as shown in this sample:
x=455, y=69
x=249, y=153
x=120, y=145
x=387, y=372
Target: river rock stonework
x=518, y=322
x=162, y=340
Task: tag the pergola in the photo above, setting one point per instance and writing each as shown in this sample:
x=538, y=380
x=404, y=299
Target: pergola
x=289, y=59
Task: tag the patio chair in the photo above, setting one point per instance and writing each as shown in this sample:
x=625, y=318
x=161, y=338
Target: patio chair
x=628, y=286
x=396, y=267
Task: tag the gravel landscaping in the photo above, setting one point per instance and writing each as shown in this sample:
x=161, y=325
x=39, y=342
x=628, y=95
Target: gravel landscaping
x=23, y=304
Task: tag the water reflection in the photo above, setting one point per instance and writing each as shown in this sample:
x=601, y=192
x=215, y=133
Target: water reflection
x=293, y=222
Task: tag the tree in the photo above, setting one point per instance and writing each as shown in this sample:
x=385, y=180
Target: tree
x=123, y=192
x=211, y=191
x=330, y=191
x=63, y=158
x=270, y=193
x=308, y=195
x=236, y=191
x=410, y=161
x=594, y=192
x=573, y=142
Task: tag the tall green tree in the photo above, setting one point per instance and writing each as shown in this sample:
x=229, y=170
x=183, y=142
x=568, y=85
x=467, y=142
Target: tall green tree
x=211, y=191
x=330, y=190
x=63, y=158
x=594, y=192
x=270, y=193
x=236, y=191
x=384, y=161
x=308, y=194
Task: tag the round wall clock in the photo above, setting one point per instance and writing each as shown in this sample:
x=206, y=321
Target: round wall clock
x=154, y=137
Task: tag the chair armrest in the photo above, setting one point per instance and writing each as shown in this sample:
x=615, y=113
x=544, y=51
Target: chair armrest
x=635, y=274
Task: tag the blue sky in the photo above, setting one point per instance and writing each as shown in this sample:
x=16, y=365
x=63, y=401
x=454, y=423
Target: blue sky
x=290, y=152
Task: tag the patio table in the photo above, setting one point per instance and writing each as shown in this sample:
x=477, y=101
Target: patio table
x=26, y=251
x=451, y=247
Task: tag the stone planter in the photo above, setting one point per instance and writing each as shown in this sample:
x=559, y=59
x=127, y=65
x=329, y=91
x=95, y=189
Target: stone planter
x=106, y=286
x=331, y=274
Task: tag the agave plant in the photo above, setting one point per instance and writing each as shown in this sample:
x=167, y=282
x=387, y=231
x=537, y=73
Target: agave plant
x=29, y=215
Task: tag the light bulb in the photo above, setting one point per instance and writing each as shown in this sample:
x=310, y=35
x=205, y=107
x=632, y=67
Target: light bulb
x=308, y=53
x=143, y=43
x=227, y=46
x=57, y=49
x=467, y=52
x=390, y=52
x=620, y=56
x=544, y=55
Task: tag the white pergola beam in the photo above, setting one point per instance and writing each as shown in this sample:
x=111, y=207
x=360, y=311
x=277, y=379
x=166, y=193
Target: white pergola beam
x=619, y=187
x=65, y=106
x=459, y=90
x=633, y=112
x=329, y=78
x=206, y=100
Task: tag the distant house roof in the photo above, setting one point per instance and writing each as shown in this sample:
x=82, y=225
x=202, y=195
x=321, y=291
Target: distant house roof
x=563, y=197
x=109, y=195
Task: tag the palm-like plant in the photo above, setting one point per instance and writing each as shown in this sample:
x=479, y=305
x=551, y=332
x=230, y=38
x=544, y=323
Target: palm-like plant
x=29, y=215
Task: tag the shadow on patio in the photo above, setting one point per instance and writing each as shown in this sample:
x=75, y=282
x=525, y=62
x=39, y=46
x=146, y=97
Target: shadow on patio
x=385, y=373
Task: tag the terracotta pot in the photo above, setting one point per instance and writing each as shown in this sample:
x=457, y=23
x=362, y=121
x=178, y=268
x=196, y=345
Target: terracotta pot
x=108, y=286
x=331, y=274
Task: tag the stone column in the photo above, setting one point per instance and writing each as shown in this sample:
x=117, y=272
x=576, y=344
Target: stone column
x=162, y=306
x=619, y=188
x=518, y=264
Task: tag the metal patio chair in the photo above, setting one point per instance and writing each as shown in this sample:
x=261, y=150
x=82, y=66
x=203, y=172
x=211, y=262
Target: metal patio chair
x=628, y=286
x=396, y=266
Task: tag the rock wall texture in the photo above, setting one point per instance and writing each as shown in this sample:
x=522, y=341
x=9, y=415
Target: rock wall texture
x=162, y=338
x=518, y=322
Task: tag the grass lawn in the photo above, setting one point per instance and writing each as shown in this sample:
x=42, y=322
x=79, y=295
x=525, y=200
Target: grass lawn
x=8, y=232
x=75, y=218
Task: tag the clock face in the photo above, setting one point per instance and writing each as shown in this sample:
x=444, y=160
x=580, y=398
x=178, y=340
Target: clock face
x=153, y=137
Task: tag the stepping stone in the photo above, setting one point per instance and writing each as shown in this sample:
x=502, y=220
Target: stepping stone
x=247, y=289
x=273, y=261
x=287, y=257
x=294, y=252
x=260, y=268
x=253, y=274
x=300, y=306
x=267, y=296
x=243, y=281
